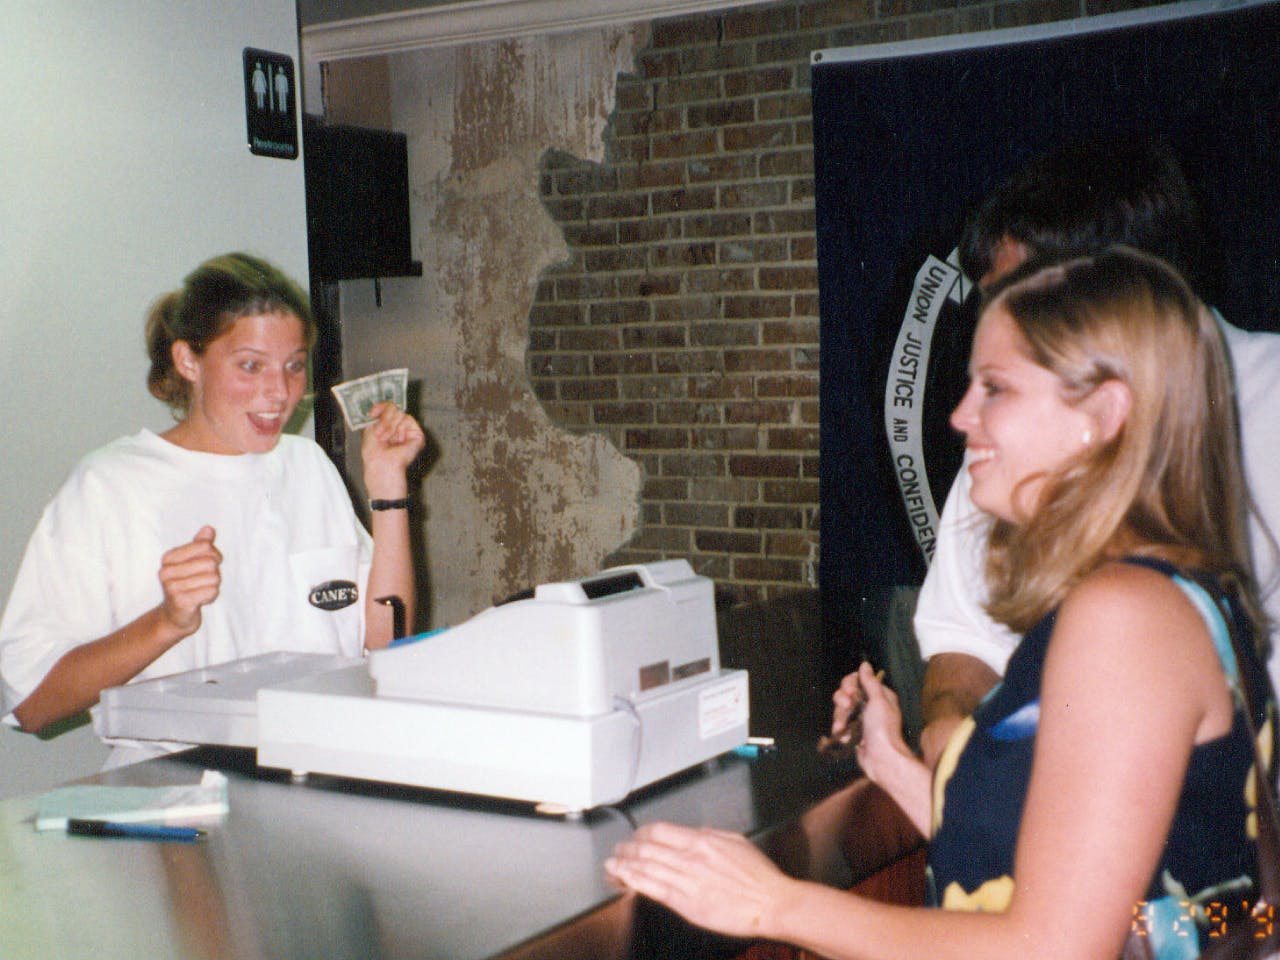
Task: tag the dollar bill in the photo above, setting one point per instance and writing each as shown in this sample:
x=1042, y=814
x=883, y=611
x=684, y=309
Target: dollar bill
x=358, y=397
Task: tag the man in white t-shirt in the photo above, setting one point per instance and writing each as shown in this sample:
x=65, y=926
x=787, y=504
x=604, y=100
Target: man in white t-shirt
x=1073, y=202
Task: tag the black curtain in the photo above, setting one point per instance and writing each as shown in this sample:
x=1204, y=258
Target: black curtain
x=906, y=146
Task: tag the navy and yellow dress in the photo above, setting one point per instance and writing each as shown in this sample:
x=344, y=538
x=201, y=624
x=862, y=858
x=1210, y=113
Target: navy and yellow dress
x=1209, y=861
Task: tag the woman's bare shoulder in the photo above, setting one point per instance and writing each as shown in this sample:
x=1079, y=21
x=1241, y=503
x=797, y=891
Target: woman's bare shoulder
x=1139, y=620
x=1128, y=590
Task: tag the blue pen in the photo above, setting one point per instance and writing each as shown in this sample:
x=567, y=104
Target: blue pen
x=135, y=831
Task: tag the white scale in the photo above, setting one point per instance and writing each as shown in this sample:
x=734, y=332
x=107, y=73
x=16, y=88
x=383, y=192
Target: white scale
x=571, y=698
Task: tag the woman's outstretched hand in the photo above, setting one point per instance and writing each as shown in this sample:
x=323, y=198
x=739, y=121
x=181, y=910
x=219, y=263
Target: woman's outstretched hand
x=712, y=878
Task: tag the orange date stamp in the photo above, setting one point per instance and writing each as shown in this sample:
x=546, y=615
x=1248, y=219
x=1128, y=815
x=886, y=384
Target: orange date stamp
x=1216, y=916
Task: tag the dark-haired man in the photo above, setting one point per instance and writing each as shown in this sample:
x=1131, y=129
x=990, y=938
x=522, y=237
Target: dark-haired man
x=1072, y=202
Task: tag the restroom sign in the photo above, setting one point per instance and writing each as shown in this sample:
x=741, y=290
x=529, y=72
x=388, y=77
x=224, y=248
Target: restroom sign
x=270, y=103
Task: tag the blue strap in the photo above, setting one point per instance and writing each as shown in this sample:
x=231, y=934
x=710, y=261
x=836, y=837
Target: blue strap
x=1218, y=630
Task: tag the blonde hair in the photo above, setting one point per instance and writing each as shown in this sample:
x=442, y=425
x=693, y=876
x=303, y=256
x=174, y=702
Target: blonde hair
x=1169, y=484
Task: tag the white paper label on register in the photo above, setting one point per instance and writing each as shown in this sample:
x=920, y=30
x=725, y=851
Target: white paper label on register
x=721, y=708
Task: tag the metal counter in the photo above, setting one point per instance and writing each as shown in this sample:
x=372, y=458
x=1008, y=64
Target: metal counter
x=334, y=869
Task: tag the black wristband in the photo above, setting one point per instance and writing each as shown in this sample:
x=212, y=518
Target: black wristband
x=402, y=504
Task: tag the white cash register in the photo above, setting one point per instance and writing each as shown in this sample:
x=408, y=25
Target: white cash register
x=571, y=697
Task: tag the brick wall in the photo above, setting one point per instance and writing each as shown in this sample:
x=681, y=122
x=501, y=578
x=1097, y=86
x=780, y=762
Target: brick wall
x=685, y=323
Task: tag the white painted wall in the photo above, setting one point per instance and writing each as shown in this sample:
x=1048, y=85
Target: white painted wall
x=123, y=164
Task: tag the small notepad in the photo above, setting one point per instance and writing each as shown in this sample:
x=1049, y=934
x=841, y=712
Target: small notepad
x=208, y=798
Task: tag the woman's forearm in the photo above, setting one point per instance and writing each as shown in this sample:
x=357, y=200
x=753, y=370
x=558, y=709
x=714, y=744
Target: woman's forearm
x=909, y=783
x=76, y=681
x=391, y=574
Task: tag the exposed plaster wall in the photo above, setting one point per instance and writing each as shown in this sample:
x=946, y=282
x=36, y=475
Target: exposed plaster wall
x=510, y=500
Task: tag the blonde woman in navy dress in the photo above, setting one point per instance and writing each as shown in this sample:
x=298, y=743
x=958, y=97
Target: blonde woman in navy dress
x=1106, y=783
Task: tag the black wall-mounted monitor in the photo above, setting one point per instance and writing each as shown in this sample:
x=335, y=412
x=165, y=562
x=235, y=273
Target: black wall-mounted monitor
x=357, y=183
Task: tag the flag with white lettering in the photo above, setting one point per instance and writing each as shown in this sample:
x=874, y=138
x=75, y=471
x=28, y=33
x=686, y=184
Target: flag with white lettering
x=908, y=138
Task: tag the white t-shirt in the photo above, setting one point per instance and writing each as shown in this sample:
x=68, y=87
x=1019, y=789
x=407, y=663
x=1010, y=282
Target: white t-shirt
x=284, y=524
x=949, y=615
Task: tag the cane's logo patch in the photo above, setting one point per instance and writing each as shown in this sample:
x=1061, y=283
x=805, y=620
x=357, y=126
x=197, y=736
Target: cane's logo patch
x=334, y=595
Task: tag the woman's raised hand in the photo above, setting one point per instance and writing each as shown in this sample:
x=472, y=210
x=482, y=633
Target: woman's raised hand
x=191, y=577
x=389, y=445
